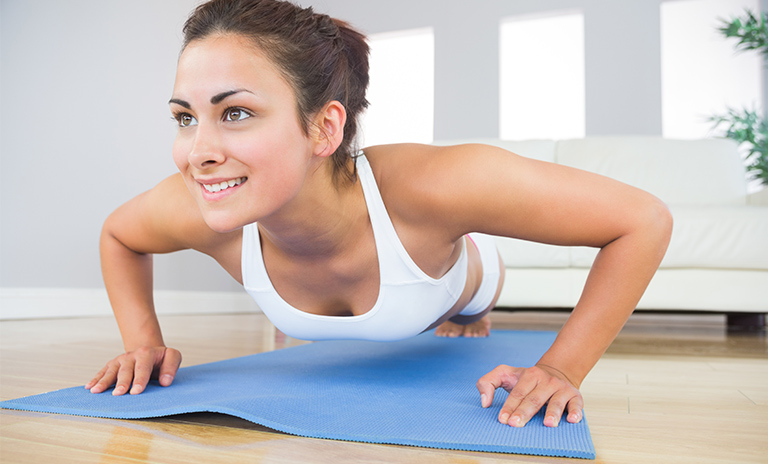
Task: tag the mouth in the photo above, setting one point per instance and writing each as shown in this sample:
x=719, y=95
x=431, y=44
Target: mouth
x=224, y=185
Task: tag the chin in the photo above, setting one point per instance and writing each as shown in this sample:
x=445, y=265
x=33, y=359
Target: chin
x=223, y=225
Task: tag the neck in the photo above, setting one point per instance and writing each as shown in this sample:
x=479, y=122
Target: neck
x=320, y=222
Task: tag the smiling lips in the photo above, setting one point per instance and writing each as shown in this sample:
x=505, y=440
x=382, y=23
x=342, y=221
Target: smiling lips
x=218, y=187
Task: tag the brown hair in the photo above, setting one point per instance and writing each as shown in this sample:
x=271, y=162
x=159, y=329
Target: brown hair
x=323, y=59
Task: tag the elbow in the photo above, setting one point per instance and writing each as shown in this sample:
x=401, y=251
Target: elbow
x=658, y=224
x=110, y=232
x=107, y=229
x=663, y=219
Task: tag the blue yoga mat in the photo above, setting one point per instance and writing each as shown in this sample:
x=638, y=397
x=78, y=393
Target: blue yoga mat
x=418, y=392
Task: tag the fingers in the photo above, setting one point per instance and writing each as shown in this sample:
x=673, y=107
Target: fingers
x=132, y=371
x=124, y=376
x=105, y=378
x=534, y=389
x=575, y=410
x=557, y=405
x=501, y=377
x=523, y=401
x=96, y=379
x=142, y=371
x=171, y=363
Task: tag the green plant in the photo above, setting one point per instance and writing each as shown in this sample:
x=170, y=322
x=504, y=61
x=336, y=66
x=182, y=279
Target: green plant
x=748, y=128
x=752, y=31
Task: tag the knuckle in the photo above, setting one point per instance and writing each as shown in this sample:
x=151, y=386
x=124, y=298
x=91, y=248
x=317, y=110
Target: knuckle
x=535, y=401
x=555, y=383
x=124, y=367
x=536, y=371
x=501, y=371
x=143, y=351
x=507, y=408
x=105, y=382
x=555, y=406
x=518, y=395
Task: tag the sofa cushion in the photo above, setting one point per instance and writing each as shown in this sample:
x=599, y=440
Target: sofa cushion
x=680, y=172
x=713, y=238
x=524, y=254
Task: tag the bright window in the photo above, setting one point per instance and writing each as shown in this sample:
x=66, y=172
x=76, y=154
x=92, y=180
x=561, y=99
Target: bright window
x=402, y=88
x=701, y=73
x=542, y=77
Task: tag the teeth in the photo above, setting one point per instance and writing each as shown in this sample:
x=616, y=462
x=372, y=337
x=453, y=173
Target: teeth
x=224, y=185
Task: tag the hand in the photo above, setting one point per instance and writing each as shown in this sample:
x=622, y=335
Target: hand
x=137, y=367
x=529, y=390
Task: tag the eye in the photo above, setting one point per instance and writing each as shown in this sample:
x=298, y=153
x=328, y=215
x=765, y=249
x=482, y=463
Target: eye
x=236, y=114
x=185, y=119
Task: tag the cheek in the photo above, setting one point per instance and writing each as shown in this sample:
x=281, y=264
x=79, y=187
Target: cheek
x=180, y=152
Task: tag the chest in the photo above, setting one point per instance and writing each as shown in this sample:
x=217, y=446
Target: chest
x=342, y=284
x=348, y=283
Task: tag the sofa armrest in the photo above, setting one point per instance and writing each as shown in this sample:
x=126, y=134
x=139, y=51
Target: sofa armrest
x=759, y=198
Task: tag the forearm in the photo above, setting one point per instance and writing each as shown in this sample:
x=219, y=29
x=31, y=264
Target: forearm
x=618, y=278
x=128, y=280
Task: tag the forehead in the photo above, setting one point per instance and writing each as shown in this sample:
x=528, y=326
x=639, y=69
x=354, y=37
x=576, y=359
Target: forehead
x=223, y=62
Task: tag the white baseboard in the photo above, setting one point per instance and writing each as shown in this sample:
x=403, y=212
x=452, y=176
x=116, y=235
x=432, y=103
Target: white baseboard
x=38, y=303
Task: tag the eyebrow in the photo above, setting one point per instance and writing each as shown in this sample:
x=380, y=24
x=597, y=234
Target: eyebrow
x=180, y=103
x=215, y=100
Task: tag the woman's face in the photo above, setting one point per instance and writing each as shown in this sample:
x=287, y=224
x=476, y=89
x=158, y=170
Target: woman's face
x=239, y=147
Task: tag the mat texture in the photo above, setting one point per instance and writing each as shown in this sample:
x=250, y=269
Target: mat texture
x=418, y=392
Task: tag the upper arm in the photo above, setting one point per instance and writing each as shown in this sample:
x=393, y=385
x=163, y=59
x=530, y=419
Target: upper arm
x=479, y=188
x=161, y=220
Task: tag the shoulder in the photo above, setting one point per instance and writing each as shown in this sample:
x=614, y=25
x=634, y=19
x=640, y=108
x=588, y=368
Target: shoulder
x=443, y=186
x=438, y=167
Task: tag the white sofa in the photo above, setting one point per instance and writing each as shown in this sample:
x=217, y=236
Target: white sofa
x=718, y=256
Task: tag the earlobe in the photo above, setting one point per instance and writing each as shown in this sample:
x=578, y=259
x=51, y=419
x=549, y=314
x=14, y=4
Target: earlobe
x=330, y=128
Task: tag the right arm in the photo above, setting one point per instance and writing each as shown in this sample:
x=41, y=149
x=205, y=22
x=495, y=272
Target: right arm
x=162, y=220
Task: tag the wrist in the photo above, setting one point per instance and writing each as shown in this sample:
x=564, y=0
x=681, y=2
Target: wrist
x=558, y=372
x=144, y=340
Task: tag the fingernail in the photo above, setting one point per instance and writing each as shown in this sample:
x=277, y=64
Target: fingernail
x=516, y=421
x=166, y=380
x=504, y=418
x=484, y=400
x=135, y=389
x=118, y=391
x=551, y=420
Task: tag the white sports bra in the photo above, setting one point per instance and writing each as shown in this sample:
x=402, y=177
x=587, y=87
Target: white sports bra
x=409, y=300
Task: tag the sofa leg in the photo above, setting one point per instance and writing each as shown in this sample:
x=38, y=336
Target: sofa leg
x=746, y=322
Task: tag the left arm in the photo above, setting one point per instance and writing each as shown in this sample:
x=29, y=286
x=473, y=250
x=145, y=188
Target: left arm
x=486, y=189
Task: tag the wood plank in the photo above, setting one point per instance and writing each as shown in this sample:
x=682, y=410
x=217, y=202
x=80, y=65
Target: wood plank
x=669, y=390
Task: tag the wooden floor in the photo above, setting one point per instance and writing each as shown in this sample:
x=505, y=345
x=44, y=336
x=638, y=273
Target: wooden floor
x=671, y=389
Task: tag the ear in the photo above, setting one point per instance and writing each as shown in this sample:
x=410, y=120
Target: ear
x=329, y=123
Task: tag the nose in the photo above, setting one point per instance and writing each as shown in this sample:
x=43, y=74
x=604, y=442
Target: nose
x=207, y=151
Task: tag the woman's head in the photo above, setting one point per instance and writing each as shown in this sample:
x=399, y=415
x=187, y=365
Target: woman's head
x=321, y=58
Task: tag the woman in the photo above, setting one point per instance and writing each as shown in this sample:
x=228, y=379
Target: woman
x=334, y=243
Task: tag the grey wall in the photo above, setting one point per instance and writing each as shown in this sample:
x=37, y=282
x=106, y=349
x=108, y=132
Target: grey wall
x=84, y=126
x=84, y=123
x=623, y=70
